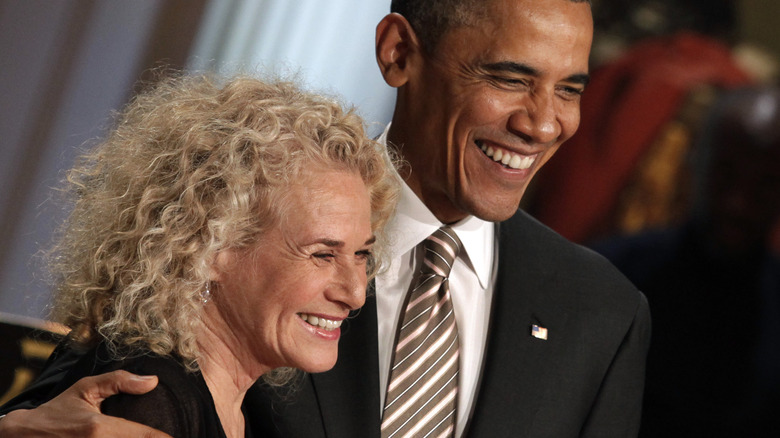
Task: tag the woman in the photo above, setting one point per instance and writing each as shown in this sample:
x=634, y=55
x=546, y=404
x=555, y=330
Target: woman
x=220, y=233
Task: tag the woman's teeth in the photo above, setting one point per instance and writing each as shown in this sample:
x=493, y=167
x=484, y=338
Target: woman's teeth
x=322, y=323
x=509, y=159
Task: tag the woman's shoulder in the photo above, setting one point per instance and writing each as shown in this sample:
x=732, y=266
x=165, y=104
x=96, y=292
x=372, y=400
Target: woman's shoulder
x=169, y=369
x=180, y=405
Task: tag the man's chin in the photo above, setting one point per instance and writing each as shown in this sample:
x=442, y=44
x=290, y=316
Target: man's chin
x=495, y=212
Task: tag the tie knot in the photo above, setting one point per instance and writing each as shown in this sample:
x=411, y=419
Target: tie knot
x=441, y=249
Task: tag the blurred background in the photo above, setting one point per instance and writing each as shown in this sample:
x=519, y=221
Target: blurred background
x=657, y=68
x=66, y=64
x=674, y=173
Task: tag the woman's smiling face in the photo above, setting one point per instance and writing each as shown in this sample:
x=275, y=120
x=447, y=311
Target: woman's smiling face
x=284, y=300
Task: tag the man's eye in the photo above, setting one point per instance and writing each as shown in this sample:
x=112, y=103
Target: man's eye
x=509, y=82
x=571, y=92
x=364, y=254
x=515, y=82
x=324, y=255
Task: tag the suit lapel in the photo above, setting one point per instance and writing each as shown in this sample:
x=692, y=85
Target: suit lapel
x=515, y=368
x=348, y=395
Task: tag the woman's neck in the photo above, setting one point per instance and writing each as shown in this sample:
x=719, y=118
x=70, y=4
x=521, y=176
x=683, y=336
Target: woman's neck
x=229, y=371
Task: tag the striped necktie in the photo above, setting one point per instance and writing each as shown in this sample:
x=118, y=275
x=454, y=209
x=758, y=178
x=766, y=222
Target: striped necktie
x=423, y=386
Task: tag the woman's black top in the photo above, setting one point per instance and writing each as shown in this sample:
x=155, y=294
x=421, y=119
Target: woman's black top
x=180, y=405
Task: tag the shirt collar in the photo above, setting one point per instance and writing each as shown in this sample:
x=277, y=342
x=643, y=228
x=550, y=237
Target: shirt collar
x=414, y=222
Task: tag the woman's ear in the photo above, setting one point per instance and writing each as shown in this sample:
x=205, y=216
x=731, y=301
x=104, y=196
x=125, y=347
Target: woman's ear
x=222, y=263
x=396, y=48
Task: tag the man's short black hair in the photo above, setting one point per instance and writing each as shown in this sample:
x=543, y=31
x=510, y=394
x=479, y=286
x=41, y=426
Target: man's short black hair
x=431, y=19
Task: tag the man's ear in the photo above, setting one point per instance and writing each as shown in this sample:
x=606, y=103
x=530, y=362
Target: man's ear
x=396, y=48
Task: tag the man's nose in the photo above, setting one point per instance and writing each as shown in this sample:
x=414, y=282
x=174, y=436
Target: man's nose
x=536, y=120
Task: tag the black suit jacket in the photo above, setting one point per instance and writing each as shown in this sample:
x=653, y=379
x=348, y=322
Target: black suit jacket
x=585, y=380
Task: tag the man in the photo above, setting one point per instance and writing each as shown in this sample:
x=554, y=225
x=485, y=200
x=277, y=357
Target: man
x=552, y=338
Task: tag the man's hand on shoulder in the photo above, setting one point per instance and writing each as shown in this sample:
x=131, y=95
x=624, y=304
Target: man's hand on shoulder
x=76, y=412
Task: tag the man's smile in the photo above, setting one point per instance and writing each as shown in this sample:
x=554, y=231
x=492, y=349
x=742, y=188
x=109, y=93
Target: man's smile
x=507, y=157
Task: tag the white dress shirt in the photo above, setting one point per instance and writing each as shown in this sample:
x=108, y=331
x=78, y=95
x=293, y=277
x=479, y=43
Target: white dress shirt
x=471, y=288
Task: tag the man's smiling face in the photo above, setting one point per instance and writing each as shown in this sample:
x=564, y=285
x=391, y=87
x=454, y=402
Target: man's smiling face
x=492, y=104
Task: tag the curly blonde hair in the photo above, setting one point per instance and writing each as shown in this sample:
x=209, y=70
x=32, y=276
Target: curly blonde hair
x=192, y=167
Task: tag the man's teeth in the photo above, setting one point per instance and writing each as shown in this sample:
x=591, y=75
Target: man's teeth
x=507, y=158
x=320, y=322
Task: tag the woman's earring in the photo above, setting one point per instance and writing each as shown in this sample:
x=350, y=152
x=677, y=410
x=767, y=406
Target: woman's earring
x=205, y=295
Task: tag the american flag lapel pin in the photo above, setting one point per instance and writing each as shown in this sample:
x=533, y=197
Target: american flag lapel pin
x=539, y=332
